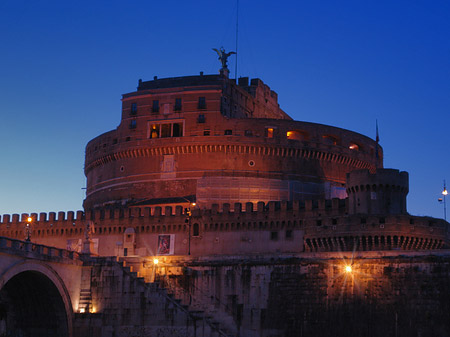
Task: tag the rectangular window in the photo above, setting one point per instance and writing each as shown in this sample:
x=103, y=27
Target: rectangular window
x=274, y=236
x=289, y=234
x=201, y=103
x=228, y=132
x=133, y=124
x=269, y=133
x=177, y=106
x=165, y=130
x=155, y=107
x=206, y=132
x=177, y=130
x=248, y=133
x=201, y=119
x=133, y=109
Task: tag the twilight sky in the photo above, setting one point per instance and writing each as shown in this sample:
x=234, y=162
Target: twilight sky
x=65, y=64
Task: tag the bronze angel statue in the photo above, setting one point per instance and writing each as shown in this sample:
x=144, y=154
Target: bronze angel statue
x=223, y=56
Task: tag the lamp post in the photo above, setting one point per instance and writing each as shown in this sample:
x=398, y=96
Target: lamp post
x=444, y=193
x=27, y=229
x=188, y=212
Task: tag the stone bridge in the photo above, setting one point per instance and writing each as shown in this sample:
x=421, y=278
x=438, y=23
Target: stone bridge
x=45, y=291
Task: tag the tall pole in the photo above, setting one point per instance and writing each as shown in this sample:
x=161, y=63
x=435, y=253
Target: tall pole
x=444, y=193
x=237, y=26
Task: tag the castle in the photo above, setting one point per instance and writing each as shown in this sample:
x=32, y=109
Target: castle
x=206, y=170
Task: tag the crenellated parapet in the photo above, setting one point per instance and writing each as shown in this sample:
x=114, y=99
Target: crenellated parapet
x=311, y=225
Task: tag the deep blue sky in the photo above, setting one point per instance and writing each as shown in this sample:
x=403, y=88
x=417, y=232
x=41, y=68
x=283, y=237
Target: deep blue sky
x=65, y=64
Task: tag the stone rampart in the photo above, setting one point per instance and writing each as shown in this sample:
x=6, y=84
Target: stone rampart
x=320, y=225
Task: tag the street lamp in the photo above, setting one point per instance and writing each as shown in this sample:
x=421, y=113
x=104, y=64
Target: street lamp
x=444, y=193
x=28, y=229
x=188, y=212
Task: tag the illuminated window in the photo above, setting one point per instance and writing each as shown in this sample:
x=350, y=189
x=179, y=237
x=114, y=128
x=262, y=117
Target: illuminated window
x=269, y=133
x=353, y=146
x=154, y=131
x=177, y=106
x=296, y=135
x=155, y=106
x=201, y=103
x=165, y=130
x=133, y=109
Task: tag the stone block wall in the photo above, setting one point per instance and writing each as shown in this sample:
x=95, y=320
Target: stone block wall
x=384, y=295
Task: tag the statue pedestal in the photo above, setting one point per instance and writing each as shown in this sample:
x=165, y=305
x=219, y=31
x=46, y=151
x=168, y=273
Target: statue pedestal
x=224, y=72
x=88, y=247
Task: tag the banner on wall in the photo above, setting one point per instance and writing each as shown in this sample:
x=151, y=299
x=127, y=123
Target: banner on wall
x=166, y=244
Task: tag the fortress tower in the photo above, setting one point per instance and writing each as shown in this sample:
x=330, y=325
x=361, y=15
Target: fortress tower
x=211, y=140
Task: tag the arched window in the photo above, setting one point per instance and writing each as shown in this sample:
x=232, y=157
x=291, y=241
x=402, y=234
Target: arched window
x=297, y=135
x=330, y=140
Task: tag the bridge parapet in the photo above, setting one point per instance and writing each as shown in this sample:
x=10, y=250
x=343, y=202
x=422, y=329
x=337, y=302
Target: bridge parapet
x=36, y=251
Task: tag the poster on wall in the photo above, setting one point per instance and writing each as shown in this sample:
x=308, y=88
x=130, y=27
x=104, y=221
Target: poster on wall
x=166, y=244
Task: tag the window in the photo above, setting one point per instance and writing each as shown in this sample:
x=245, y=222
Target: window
x=269, y=133
x=195, y=230
x=228, y=132
x=248, y=133
x=201, y=119
x=296, y=135
x=133, y=109
x=133, y=124
x=201, y=103
x=330, y=140
x=273, y=236
x=177, y=106
x=206, y=132
x=353, y=146
x=165, y=130
x=155, y=107
x=289, y=234
x=177, y=130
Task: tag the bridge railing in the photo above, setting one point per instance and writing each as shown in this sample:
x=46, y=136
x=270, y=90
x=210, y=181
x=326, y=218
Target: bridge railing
x=25, y=247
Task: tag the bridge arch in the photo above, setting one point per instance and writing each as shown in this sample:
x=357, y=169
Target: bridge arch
x=34, y=301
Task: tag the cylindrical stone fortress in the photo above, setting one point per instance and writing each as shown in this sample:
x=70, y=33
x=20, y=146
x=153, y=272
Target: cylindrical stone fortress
x=208, y=139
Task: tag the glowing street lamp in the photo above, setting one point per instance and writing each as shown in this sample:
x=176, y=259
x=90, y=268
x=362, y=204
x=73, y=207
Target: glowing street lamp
x=28, y=229
x=348, y=269
x=188, y=220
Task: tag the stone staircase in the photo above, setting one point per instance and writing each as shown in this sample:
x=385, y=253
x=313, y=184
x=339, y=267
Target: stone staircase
x=220, y=327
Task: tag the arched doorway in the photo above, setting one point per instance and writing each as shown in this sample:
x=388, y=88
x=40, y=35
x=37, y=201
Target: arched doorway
x=31, y=305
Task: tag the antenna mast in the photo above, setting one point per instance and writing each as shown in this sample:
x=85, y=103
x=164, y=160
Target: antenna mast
x=237, y=28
